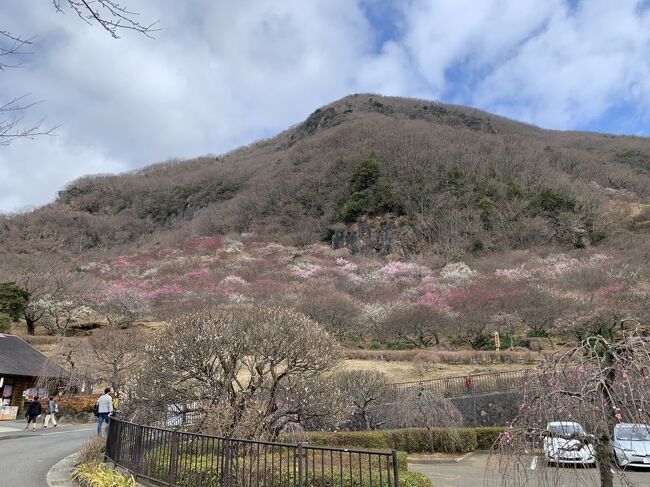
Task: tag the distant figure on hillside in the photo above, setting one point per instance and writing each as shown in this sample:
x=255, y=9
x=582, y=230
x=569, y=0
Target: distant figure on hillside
x=52, y=409
x=469, y=385
x=33, y=412
x=104, y=409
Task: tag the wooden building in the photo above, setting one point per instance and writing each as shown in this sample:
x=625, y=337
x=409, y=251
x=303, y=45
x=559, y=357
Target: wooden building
x=20, y=366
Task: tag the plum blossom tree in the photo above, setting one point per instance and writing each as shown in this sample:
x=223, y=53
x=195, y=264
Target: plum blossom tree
x=424, y=408
x=39, y=277
x=60, y=313
x=255, y=369
x=122, y=307
x=477, y=308
x=598, y=383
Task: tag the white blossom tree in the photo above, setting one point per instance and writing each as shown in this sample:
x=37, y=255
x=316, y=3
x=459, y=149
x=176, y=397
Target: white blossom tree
x=245, y=370
x=60, y=313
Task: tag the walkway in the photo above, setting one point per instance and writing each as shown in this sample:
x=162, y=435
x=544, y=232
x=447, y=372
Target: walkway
x=26, y=457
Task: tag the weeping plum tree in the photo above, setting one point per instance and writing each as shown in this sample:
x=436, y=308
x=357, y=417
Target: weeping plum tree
x=598, y=383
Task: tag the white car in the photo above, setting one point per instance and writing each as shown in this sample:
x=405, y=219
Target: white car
x=631, y=445
x=566, y=442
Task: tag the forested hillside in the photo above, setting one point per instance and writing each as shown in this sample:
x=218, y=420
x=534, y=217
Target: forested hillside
x=418, y=176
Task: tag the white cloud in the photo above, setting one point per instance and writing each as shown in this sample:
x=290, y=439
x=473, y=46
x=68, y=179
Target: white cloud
x=221, y=74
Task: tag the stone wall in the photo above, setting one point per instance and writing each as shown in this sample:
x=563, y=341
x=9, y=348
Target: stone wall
x=495, y=409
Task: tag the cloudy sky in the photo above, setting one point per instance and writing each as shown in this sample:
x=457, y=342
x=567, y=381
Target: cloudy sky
x=220, y=73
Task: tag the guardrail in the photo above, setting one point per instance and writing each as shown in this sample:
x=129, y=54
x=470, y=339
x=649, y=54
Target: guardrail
x=179, y=459
x=480, y=383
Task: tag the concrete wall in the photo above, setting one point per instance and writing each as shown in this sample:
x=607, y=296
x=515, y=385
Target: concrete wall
x=495, y=409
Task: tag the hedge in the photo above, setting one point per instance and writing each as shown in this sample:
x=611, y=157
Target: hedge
x=73, y=404
x=412, y=440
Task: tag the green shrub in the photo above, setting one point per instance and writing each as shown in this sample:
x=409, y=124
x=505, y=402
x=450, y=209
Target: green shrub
x=5, y=322
x=368, y=194
x=96, y=475
x=364, y=175
x=552, y=202
x=411, y=440
x=414, y=479
x=486, y=437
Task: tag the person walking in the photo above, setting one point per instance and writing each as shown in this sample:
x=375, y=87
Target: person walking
x=104, y=409
x=52, y=409
x=33, y=412
x=469, y=385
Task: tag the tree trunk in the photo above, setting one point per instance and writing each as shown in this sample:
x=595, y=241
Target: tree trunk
x=604, y=462
x=603, y=453
x=31, y=325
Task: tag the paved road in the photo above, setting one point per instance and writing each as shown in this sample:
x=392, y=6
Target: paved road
x=26, y=457
x=478, y=470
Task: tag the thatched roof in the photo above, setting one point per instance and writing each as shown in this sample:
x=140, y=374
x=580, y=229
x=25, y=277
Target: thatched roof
x=18, y=357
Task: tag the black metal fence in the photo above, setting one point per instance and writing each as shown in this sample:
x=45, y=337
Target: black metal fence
x=175, y=458
x=478, y=383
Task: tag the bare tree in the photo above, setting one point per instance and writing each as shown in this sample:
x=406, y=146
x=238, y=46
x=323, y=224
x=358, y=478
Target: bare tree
x=598, y=383
x=416, y=323
x=335, y=311
x=368, y=391
x=68, y=368
x=114, y=355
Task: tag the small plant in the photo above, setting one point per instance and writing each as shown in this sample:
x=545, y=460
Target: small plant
x=96, y=475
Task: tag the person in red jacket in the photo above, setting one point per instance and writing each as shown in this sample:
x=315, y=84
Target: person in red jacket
x=469, y=385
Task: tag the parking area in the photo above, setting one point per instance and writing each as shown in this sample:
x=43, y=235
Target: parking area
x=479, y=469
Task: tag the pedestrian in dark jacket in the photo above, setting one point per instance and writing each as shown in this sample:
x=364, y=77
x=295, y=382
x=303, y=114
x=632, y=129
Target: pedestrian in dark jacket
x=34, y=410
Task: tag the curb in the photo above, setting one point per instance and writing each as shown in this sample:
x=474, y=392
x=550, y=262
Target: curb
x=59, y=474
x=433, y=459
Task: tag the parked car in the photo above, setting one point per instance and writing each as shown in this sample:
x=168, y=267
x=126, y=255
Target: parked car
x=631, y=445
x=566, y=442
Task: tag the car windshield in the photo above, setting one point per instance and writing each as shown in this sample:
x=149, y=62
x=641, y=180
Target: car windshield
x=633, y=433
x=566, y=429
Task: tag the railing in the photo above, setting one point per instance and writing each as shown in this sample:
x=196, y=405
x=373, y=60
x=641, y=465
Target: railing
x=175, y=458
x=480, y=383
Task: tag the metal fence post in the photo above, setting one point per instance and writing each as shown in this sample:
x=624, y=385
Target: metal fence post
x=173, y=458
x=395, y=468
x=117, y=453
x=300, y=465
x=137, y=452
x=225, y=471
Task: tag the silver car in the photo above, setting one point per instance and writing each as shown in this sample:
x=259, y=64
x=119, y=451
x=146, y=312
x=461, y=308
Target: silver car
x=566, y=442
x=631, y=445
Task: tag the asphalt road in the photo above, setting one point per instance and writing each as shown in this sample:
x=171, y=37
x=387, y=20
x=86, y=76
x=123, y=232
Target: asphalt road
x=26, y=457
x=478, y=470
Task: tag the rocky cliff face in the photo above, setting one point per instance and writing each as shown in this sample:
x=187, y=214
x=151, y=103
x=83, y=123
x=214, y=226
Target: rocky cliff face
x=378, y=237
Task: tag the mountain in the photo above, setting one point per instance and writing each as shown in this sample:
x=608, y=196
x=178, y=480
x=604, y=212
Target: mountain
x=377, y=174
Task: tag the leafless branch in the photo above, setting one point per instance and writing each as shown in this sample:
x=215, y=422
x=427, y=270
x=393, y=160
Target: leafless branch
x=110, y=15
